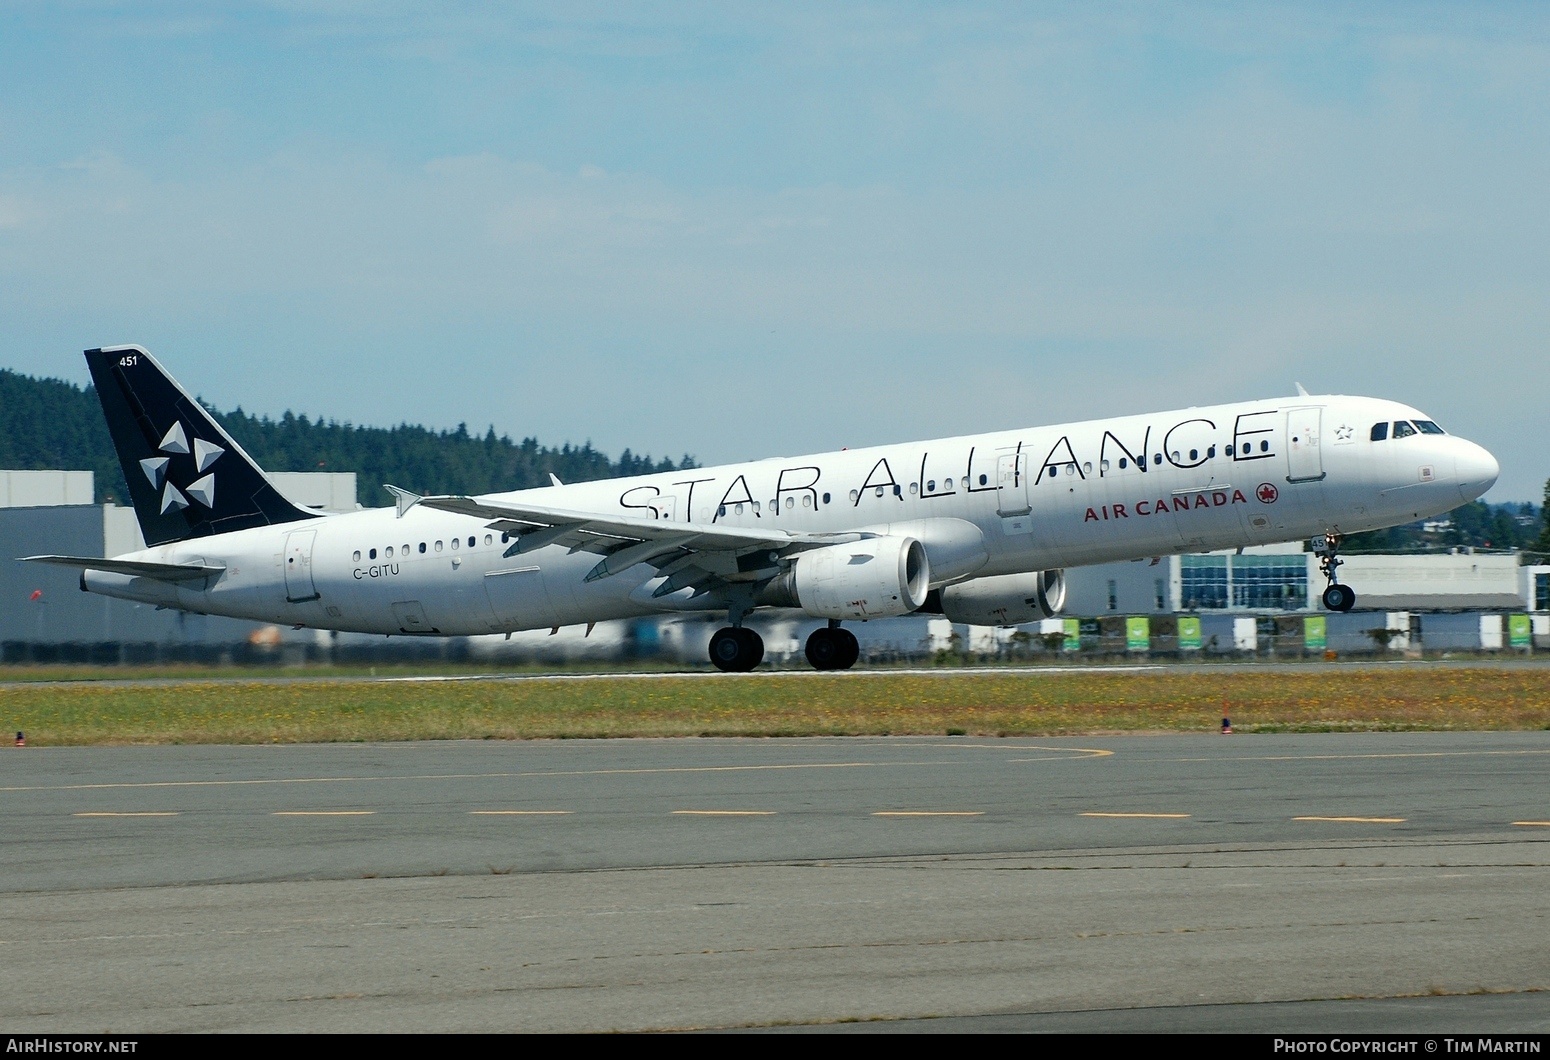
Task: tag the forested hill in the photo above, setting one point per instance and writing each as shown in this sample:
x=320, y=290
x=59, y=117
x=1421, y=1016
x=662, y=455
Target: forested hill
x=46, y=423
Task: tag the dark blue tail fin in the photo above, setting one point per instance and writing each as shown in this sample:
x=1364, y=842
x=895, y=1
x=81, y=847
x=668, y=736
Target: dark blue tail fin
x=186, y=476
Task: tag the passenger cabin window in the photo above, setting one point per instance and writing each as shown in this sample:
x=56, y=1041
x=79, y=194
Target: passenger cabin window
x=422, y=547
x=438, y=546
x=389, y=552
x=471, y=542
x=373, y=553
x=1428, y=427
x=357, y=557
x=1403, y=429
x=1380, y=431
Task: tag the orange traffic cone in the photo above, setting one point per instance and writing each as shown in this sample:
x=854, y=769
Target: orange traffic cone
x=21, y=739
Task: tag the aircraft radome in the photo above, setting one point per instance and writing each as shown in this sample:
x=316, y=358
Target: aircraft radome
x=978, y=528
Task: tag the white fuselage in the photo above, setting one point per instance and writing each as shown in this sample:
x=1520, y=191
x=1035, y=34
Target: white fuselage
x=1014, y=501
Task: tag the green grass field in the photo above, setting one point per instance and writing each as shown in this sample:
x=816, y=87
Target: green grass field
x=1014, y=702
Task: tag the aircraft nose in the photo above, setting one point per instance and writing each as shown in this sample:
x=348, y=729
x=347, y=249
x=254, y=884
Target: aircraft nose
x=1475, y=468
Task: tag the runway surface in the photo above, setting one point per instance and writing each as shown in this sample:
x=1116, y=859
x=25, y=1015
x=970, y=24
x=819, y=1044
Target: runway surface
x=1128, y=883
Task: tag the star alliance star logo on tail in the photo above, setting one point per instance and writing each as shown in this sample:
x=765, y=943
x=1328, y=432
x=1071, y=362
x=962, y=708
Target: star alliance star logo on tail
x=201, y=490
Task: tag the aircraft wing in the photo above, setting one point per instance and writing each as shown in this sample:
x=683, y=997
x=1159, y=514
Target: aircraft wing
x=166, y=572
x=626, y=540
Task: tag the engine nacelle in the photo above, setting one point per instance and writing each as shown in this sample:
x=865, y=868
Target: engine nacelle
x=872, y=578
x=1005, y=599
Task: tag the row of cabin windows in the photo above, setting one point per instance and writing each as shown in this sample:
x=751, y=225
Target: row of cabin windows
x=405, y=550
x=1157, y=459
x=756, y=507
x=1403, y=429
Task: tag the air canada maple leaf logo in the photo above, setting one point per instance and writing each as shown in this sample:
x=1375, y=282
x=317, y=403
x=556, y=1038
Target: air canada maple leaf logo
x=1267, y=493
x=183, y=463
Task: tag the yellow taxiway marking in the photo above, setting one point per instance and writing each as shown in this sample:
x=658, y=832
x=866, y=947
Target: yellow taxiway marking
x=724, y=813
x=1532, y=824
x=323, y=813
x=140, y=813
x=929, y=813
x=1355, y=820
x=1162, y=816
x=520, y=813
x=1338, y=757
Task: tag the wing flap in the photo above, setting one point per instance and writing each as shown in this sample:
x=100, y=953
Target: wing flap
x=701, y=537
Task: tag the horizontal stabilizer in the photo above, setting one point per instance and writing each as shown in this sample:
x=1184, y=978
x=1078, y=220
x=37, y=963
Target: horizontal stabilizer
x=165, y=572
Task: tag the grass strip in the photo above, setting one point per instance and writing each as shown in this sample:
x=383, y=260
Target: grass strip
x=978, y=704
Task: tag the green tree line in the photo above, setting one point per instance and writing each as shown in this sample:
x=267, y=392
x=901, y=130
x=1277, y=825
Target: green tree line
x=49, y=424
x=1472, y=525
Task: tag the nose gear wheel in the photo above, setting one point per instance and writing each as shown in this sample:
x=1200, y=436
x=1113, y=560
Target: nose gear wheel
x=1336, y=597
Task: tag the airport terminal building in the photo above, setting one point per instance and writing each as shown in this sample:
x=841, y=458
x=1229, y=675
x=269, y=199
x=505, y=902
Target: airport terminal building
x=1260, y=600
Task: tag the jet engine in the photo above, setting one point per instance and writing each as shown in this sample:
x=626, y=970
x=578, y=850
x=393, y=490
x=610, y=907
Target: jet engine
x=871, y=578
x=1003, y=599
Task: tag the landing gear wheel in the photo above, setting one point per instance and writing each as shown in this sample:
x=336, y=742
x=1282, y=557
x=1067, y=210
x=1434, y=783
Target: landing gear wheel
x=1327, y=548
x=823, y=649
x=832, y=648
x=736, y=650
x=850, y=650
x=1339, y=598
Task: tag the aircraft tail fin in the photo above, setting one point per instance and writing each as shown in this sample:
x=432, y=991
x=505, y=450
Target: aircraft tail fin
x=187, y=477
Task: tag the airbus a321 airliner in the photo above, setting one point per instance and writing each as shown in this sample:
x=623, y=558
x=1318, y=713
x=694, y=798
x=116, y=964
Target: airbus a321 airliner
x=976, y=528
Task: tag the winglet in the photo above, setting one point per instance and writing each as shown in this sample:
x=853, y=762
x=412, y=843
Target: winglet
x=404, y=499
x=554, y=480
x=1300, y=391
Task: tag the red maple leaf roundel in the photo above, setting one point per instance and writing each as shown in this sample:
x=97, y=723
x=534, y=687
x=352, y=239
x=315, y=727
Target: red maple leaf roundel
x=1267, y=493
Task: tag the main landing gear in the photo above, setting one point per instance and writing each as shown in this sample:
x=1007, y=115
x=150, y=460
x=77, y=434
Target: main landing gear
x=736, y=650
x=1337, y=597
x=832, y=648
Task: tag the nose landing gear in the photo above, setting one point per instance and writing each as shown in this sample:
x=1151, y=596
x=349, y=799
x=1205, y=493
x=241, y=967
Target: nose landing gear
x=832, y=648
x=1337, y=597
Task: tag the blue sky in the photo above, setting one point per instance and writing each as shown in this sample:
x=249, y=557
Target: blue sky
x=740, y=231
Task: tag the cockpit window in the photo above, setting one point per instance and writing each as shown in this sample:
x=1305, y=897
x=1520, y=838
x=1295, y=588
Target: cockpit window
x=1428, y=427
x=1380, y=431
x=1402, y=429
